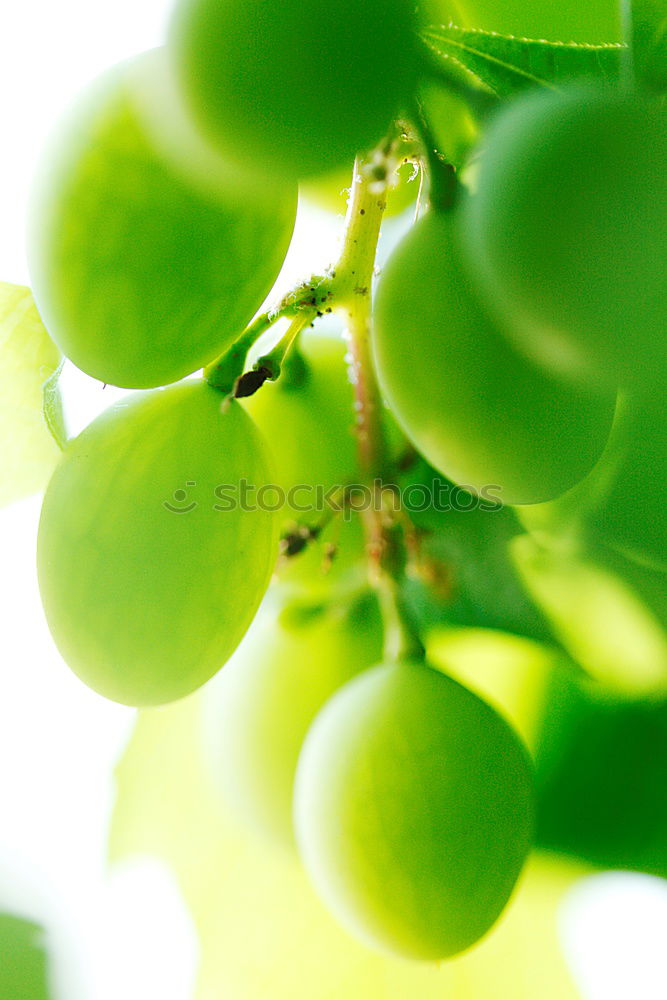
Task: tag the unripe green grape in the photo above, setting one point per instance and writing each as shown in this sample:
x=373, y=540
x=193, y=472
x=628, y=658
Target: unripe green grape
x=142, y=272
x=413, y=810
x=479, y=411
x=257, y=712
x=296, y=88
x=308, y=416
x=147, y=581
x=567, y=231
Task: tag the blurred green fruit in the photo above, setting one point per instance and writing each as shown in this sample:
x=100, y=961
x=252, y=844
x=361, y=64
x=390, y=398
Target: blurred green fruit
x=257, y=712
x=476, y=409
x=413, y=810
x=24, y=969
x=141, y=272
x=567, y=231
x=295, y=88
x=148, y=583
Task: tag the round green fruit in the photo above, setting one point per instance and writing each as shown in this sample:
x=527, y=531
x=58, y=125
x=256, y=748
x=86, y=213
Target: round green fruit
x=257, y=712
x=143, y=273
x=308, y=416
x=147, y=581
x=294, y=88
x=480, y=412
x=413, y=810
x=567, y=231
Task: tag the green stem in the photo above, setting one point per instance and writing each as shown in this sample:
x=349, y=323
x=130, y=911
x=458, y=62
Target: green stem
x=224, y=371
x=442, y=181
x=274, y=360
x=351, y=285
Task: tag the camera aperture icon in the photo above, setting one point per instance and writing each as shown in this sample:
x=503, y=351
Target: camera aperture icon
x=178, y=503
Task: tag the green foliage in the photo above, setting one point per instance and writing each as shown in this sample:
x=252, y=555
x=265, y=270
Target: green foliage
x=409, y=786
x=478, y=411
x=141, y=274
x=258, y=710
x=577, y=277
x=647, y=31
x=147, y=587
x=601, y=769
x=259, y=77
x=28, y=359
x=507, y=65
x=23, y=960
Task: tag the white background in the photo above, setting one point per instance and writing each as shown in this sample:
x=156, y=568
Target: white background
x=127, y=934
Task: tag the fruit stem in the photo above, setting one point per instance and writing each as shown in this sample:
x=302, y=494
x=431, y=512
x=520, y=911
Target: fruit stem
x=401, y=641
x=275, y=359
x=224, y=371
x=351, y=290
x=351, y=286
x=443, y=183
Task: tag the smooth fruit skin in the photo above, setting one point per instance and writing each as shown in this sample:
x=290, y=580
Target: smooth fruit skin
x=479, y=411
x=147, y=587
x=308, y=417
x=257, y=712
x=297, y=88
x=567, y=232
x=142, y=274
x=413, y=810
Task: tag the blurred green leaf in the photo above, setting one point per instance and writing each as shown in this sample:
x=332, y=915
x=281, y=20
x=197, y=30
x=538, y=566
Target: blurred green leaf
x=23, y=960
x=601, y=774
x=507, y=65
x=610, y=622
x=28, y=359
x=647, y=37
x=262, y=930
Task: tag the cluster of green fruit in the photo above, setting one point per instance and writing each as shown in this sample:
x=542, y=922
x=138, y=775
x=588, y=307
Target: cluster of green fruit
x=506, y=326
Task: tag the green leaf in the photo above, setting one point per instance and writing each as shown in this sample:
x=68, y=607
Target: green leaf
x=506, y=65
x=23, y=960
x=646, y=29
x=263, y=931
x=28, y=359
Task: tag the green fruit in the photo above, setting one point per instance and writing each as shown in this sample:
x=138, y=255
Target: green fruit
x=308, y=416
x=294, y=88
x=477, y=410
x=567, y=232
x=24, y=965
x=413, y=810
x=141, y=272
x=147, y=584
x=258, y=710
